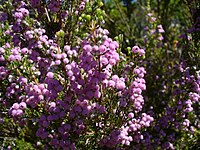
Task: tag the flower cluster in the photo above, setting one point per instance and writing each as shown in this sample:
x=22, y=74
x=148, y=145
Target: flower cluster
x=17, y=109
x=155, y=31
x=68, y=82
x=71, y=86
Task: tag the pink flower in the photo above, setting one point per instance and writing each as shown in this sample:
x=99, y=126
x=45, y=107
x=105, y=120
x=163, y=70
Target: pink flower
x=120, y=85
x=131, y=115
x=111, y=83
x=22, y=105
x=135, y=49
x=15, y=106
x=50, y=74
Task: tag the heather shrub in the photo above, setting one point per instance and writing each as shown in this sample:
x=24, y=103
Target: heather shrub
x=66, y=84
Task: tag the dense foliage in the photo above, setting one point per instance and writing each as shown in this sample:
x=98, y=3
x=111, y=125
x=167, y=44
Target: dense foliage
x=92, y=74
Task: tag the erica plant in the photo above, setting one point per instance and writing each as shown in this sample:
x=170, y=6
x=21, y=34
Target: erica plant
x=64, y=81
x=65, y=84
